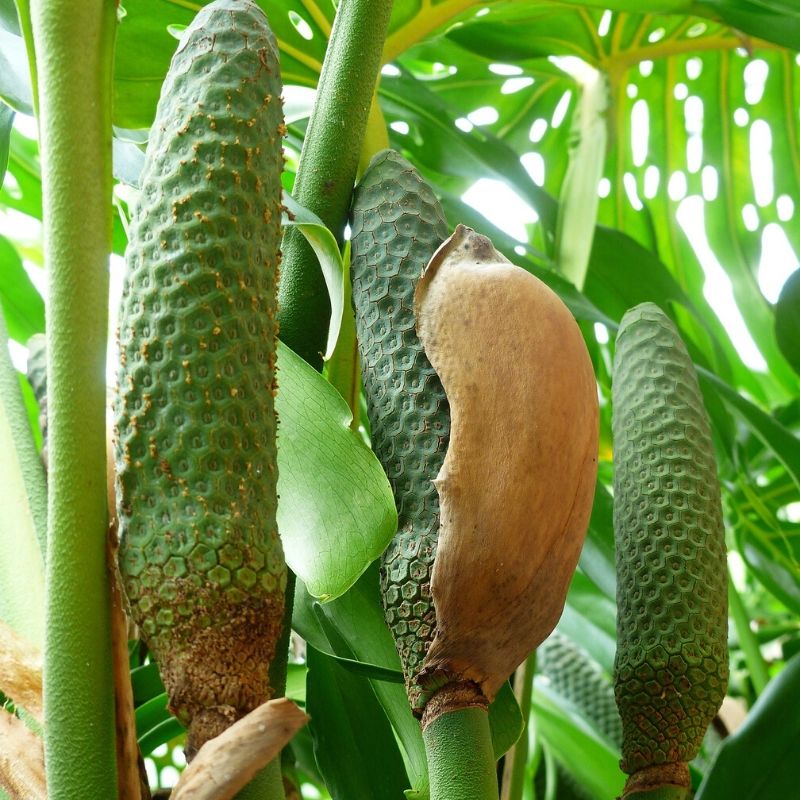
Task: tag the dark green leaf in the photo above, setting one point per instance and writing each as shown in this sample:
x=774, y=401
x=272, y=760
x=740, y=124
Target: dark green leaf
x=353, y=742
x=774, y=558
x=774, y=20
x=23, y=306
x=8, y=17
x=356, y=622
x=759, y=761
x=575, y=743
x=146, y=683
x=15, y=81
x=154, y=723
x=623, y=274
x=779, y=439
x=160, y=734
x=597, y=556
x=6, y=121
x=787, y=321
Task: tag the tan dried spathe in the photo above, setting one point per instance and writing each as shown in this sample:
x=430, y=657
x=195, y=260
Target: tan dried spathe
x=517, y=484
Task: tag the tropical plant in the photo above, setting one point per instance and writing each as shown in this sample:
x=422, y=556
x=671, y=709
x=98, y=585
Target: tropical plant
x=622, y=152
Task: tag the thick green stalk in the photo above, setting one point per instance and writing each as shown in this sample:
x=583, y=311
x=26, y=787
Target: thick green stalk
x=267, y=785
x=461, y=762
x=747, y=640
x=514, y=774
x=75, y=43
x=662, y=793
x=328, y=165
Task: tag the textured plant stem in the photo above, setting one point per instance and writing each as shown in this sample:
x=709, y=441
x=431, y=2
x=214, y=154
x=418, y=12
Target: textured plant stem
x=661, y=793
x=328, y=164
x=747, y=640
x=267, y=785
x=75, y=43
x=514, y=774
x=461, y=763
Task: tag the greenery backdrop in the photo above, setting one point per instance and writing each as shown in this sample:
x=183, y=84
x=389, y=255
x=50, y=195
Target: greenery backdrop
x=685, y=115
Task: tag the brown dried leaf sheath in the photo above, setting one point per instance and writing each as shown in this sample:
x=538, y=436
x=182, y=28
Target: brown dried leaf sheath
x=21, y=760
x=517, y=484
x=21, y=671
x=226, y=764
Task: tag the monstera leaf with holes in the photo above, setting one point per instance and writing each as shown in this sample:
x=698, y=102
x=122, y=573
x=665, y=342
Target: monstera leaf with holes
x=621, y=150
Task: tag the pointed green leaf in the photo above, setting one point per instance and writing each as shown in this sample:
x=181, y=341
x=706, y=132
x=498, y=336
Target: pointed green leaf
x=324, y=245
x=787, y=321
x=336, y=512
x=6, y=121
x=353, y=742
x=22, y=305
x=759, y=761
x=23, y=500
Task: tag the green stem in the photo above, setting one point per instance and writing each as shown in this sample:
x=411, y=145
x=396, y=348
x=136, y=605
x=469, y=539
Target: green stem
x=661, y=793
x=515, y=772
x=328, y=165
x=376, y=137
x=461, y=763
x=75, y=45
x=748, y=641
x=267, y=785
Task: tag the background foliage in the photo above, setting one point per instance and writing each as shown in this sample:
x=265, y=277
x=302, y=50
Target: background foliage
x=671, y=124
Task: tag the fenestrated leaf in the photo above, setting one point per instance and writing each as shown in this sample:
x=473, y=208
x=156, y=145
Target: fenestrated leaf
x=23, y=500
x=336, y=512
x=787, y=321
x=353, y=742
x=759, y=761
x=145, y=47
x=22, y=305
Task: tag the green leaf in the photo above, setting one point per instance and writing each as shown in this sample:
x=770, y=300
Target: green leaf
x=576, y=744
x=8, y=17
x=23, y=500
x=336, y=512
x=774, y=20
x=22, y=304
x=15, y=82
x=779, y=439
x=146, y=683
x=6, y=121
x=324, y=245
x=353, y=743
x=359, y=632
x=787, y=321
x=759, y=761
x=505, y=720
x=589, y=618
x=774, y=558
